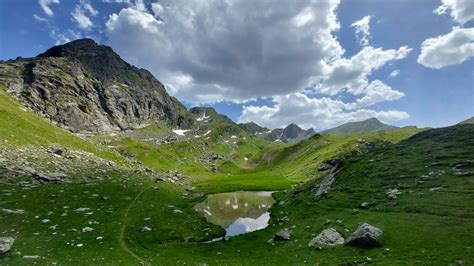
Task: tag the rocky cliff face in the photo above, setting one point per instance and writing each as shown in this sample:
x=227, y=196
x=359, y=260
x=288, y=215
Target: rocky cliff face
x=252, y=128
x=87, y=87
x=289, y=133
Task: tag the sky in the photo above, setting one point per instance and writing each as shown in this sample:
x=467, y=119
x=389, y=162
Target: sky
x=318, y=64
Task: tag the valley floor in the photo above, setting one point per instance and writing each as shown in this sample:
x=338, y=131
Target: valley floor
x=126, y=218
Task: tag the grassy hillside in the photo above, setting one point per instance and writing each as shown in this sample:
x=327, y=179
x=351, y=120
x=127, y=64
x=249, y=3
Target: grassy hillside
x=299, y=162
x=433, y=170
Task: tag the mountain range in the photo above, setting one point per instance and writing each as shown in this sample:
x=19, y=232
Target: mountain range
x=87, y=88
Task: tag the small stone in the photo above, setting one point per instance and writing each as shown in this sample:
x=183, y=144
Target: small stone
x=145, y=229
x=392, y=193
x=6, y=244
x=283, y=235
x=87, y=229
x=34, y=257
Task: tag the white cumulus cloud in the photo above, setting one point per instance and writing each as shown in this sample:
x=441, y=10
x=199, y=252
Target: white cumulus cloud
x=237, y=51
x=454, y=47
x=461, y=11
x=352, y=74
x=230, y=50
x=319, y=113
x=445, y=50
x=375, y=92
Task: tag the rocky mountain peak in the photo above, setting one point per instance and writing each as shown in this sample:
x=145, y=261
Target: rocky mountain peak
x=87, y=87
x=292, y=131
x=101, y=63
x=252, y=127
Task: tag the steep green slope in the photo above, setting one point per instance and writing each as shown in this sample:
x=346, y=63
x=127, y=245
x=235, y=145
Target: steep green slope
x=467, y=121
x=301, y=160
x=434, y=174
x=369, y=125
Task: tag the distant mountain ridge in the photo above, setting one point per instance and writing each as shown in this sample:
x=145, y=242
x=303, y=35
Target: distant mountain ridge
x=369, y=125
x=252, y=127
x=292, y=132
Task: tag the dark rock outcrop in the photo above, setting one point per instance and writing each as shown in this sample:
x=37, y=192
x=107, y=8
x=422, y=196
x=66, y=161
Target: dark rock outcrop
x=252, y=128
x=289, y=133
x=87, y=87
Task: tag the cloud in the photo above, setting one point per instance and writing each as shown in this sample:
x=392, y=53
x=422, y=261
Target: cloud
x=39, y=19
x=445, y=50
x=45, y=6
x=64, y=37
x=81, y=12
x=228, y=50
x=88, y=7
x=157, y=9
x=375, y=92
x=319, y=113
x=461, y=11
x=362, y=30
x=394, y=73
x=454, y=47
x=237, y=51
x=352, y=74
x=117, y=1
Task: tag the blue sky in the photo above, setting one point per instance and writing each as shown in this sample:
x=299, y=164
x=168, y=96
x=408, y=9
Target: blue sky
x=276, y=68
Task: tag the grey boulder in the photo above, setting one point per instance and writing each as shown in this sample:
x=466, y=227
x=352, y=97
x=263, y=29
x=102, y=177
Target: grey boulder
x=365, y=235
x=328, y=237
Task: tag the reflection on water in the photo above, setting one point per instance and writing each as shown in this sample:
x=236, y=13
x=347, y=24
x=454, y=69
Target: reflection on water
x=237, y=212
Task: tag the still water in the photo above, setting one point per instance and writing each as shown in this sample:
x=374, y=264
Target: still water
x=237, y=212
